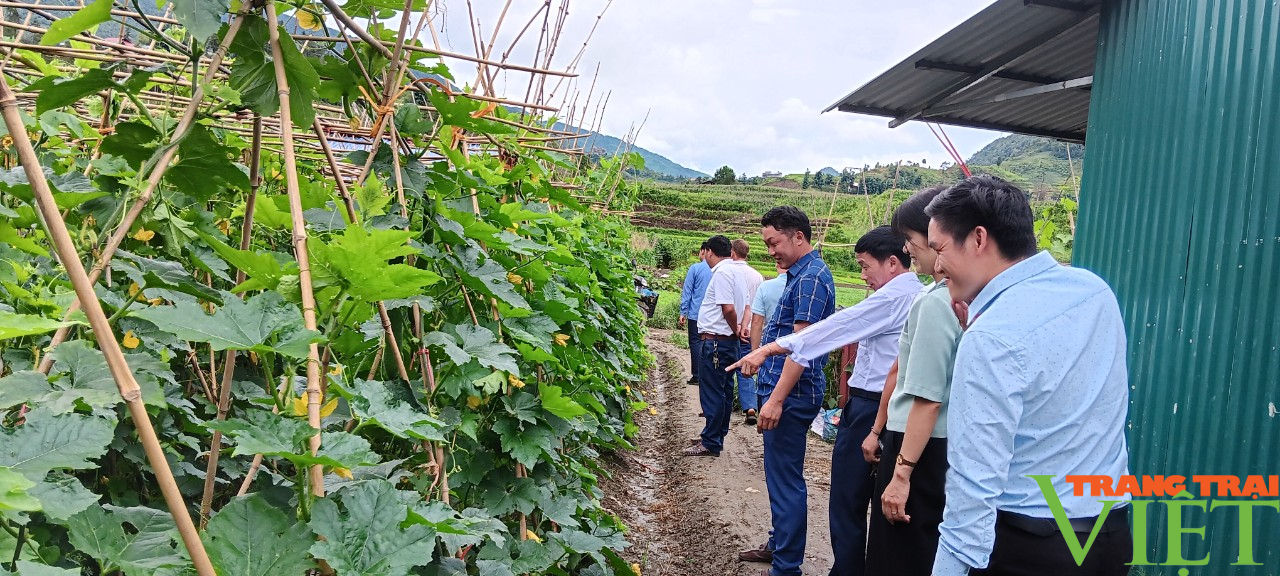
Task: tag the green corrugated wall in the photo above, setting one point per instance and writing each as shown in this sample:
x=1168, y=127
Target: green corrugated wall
x=1180, y=213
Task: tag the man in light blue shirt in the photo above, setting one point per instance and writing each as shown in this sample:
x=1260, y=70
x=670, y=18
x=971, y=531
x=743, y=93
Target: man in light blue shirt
x=1039, y=387
x=765, y=302
x=691, y=294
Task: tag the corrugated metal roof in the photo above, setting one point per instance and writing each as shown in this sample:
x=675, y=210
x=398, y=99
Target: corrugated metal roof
x=1002, y=69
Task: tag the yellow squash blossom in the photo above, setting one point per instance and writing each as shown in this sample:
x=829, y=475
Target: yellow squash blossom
x=225, y=226
x=144, y=235
x=529, y=535
x=343, y=473
x=653, y=411
x=562, y=339
x=514, y=278
x=300, y=406
x=515, y=382
x=473, y=402
x=130, y=341
x=636, y=568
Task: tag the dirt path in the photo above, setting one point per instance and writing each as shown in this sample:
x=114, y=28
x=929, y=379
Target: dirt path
x=691, y=516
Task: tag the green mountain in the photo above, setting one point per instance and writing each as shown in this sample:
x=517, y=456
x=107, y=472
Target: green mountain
x=1031, y=162
x=598, y=144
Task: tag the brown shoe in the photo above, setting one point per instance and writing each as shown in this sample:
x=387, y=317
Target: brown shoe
x=761, y=554
x=699, y=450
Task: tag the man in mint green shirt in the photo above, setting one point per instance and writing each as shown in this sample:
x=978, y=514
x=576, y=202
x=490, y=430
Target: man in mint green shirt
x=907, y=505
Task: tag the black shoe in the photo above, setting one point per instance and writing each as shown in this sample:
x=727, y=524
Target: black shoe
x=751, y=418
x=692, y=381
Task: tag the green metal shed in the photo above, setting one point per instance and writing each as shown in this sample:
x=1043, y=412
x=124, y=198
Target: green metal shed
x=1177, y=101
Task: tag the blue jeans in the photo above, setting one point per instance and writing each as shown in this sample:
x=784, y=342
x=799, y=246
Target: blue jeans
x=715, y=390
x=851, y=487
x=784, y=449
x=695, y=348
x=746, y=384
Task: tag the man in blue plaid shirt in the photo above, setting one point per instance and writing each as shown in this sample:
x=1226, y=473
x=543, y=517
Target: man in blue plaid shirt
x=790, y=394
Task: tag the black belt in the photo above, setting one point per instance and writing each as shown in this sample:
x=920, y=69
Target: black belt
x=1117, y=519
x=710, y=336
x=869, y=395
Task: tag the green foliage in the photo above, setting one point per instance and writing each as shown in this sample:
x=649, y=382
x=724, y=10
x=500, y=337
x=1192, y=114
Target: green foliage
x=513, y=312
x=94, y=13
x=724, y=175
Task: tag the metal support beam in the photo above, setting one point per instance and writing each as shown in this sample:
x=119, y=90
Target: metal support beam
x=1066, y=136
x=995, y=65
x=1057, y=4
x=1003, y=74
x=1038, y=90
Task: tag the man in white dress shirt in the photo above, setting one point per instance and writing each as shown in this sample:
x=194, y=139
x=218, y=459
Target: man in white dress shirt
x=717, y=331
x=875, y=324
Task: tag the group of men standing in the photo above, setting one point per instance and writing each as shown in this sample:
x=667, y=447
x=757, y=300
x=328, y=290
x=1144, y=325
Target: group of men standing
x=1005, y=365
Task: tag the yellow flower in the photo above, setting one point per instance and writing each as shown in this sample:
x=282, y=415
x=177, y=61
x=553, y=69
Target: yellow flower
x=515, y=382
x=134, y=289
x=529, y=535
x=562, y=339
x=225, y=226
x=130, y=341
x=156, y=301
x=343, y=473
x=307, y=20
x=514, y=278
x=628, y=389
x=336, y=370
x=635, y=568
x=473, y=402
x=300, y=406
x=144, y=235
x=653, y=411
x=7, y=141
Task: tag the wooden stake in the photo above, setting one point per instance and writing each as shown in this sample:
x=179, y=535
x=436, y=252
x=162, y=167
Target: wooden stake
x=228, y=368
x=315, y=396
x=125, y=383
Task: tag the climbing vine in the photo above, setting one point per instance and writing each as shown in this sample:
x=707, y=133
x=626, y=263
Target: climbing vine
x=404, y=358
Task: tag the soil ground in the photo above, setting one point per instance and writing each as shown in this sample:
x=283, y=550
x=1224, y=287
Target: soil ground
x=691, y=516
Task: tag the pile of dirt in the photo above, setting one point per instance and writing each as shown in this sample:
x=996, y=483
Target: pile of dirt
x=691, y=516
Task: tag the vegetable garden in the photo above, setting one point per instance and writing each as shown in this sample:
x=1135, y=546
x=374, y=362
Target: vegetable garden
x=228, y=348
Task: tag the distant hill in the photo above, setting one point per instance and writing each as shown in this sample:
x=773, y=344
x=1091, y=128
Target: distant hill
x=1030, y=162
x=829, y=171
x=606, y=145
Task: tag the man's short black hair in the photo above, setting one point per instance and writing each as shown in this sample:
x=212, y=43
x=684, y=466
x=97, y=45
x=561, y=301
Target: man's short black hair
x=1000, y=207
x=910, y=216
x=719, y=245
x=881, y=243
x=703, y=246
x=788, y=219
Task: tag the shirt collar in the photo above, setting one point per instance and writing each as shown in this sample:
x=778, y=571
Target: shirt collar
x=802, y=264
x=1019, y=272
x=904, y=281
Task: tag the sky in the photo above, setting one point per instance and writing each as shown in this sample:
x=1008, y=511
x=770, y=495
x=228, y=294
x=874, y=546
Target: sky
x=740, y=83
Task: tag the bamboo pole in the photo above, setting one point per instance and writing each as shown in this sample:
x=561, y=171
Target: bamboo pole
x=119, y=367
x=228, y=368
x=357, y=29
x=315, y=396
x=157, y=173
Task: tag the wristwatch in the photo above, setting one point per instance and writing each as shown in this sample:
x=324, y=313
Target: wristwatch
x=904, y=462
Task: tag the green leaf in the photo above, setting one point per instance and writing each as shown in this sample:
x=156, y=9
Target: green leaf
x=29, y=568
x=528, y=445
x=489, y=277
x=56, y=91
x=389, y=405
x=18, y=325
x=204, y=166
x=166, y=275
x=91, y=380
x=238, y=325
x=133, y=141
x=149, y=545
x=457, y=112
x=250, y=537
x=201, y=18
x=478, y=343
x=63, y=497
x=261, y=432
x=360, y=258
x=79, y=21
x=48, y=442
x=367, y=537
x=22, y=387
x=253, y=73
x=261, y=266
x=14, y=495
x=555, y=402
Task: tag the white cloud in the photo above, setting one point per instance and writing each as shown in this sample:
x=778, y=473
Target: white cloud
x=735, y=82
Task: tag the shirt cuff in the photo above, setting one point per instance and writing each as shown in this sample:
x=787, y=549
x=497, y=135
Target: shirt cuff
x=790, y=343
x=946, y=564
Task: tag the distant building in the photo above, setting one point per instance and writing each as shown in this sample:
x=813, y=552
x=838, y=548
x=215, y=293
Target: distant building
x=771, y=175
